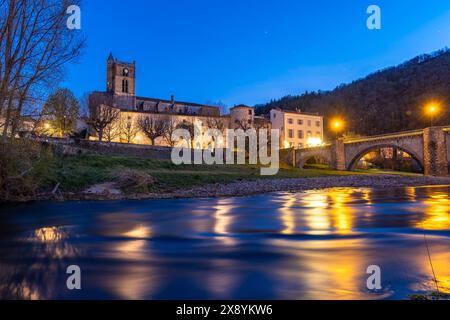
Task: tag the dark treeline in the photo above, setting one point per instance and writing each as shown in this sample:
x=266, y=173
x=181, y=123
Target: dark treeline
x=386, y=101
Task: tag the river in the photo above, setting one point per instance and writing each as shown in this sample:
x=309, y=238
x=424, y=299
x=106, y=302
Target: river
x=312, y=245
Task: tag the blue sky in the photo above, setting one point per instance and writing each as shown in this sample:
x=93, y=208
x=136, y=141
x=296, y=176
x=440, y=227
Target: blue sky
x=250, y=51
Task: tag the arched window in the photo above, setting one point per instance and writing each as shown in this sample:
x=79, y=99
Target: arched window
x=125, y=86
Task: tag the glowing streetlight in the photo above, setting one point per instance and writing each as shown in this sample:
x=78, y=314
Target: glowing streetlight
x=47, y=126
x=337, y=125
x=432, y=109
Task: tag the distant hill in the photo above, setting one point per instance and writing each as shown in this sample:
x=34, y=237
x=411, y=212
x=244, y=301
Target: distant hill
x=386, y=101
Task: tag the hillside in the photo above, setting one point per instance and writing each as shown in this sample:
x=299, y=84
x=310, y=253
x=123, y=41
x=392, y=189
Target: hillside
x=386, y=101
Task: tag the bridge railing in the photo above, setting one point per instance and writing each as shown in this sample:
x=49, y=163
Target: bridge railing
x=391, y=135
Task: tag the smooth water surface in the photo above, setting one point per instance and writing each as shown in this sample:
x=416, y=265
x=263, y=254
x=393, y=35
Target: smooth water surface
x=314, y=245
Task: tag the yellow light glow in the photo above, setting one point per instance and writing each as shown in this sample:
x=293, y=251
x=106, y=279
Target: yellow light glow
x=314, y=142
x=138, y=138
x=47, y=126
x=432, y=108
x=337, y=124
x=287, y=145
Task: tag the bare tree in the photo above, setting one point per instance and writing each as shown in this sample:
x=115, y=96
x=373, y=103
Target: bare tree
x=101, y=117
x=153, y=127
x=128, y=130
x=61, y=112
x=189, y=126
x=216, y=123
x=112, y=131
x=171, y=126
x=244, y=124
x=35, y=44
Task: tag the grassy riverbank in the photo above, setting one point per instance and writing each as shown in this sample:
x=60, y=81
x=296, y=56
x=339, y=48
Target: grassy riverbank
x=29, y=171
x=76, y=173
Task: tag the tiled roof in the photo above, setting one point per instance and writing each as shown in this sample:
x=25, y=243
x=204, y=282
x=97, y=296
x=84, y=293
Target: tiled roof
x=175, y=102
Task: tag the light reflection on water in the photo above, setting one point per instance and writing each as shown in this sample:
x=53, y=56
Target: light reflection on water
x=313, y=245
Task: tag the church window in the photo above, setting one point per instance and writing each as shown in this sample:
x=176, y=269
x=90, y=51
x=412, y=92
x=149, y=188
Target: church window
x=125, y=86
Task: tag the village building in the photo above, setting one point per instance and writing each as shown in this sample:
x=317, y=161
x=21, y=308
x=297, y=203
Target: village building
x=298, y=129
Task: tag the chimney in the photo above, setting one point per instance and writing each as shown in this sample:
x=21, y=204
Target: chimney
x=172, y=99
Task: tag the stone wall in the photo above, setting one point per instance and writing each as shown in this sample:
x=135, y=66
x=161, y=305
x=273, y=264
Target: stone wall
x=123, y=149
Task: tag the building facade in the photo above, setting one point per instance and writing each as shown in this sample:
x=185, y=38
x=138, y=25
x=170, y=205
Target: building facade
x=298, y=129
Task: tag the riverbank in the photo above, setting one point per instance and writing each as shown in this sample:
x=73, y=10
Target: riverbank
x=98, y=177
x=109, y=191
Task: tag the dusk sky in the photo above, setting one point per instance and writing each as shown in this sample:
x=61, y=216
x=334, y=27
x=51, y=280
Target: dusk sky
x=245, y=51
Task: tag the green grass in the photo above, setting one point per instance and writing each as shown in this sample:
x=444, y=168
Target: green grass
x=76, y=173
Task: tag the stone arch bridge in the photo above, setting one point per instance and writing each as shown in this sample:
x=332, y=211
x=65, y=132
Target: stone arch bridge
x=430, y=147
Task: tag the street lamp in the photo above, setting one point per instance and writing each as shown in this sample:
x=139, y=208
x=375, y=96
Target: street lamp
x=337, y=125
x=432, y=109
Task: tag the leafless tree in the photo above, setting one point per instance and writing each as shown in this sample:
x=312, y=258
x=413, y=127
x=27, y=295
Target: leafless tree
x=189, y=126
x=244, y=124
x=61, y=112
x=170, y=128
x=35, y=45
x=153, y=127
x=129, y=130
x=101, y=117
x=216, y=123
x=112, y=131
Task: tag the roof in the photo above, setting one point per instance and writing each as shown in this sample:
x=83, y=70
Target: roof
x=171, y=114
x=241, y=106
x=299, y=112
x=175, y=102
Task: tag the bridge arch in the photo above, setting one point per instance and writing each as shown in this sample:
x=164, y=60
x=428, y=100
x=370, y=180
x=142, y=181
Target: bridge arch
x=304, y=155
x=352, y=163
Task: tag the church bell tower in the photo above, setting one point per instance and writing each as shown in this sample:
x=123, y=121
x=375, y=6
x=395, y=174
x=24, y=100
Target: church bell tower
x=121, y=82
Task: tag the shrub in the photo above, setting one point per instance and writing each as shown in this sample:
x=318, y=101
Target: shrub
x=134, y=181
x=24, y=167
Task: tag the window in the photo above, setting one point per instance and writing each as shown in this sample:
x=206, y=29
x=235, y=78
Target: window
x=125, y=86
x=300, y=134
x=290, y=121
x=274, y=115
x=318, y=134
x=300, y=122
x=291, y=133
x=309, y=123
x=250, y=112
x=309, y=134
x=317, y=123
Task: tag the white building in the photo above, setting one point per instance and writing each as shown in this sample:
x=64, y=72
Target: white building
x=297, y=129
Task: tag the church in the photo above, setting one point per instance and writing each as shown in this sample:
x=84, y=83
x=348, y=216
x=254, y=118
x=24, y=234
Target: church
x=121, y=94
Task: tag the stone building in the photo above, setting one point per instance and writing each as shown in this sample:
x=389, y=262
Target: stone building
x=298, y=129
x=121, y=94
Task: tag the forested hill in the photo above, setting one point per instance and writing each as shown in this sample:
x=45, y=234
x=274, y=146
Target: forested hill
x=386, y=101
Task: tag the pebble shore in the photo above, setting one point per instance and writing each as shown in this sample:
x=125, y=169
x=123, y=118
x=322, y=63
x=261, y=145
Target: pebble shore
x=246, y=188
